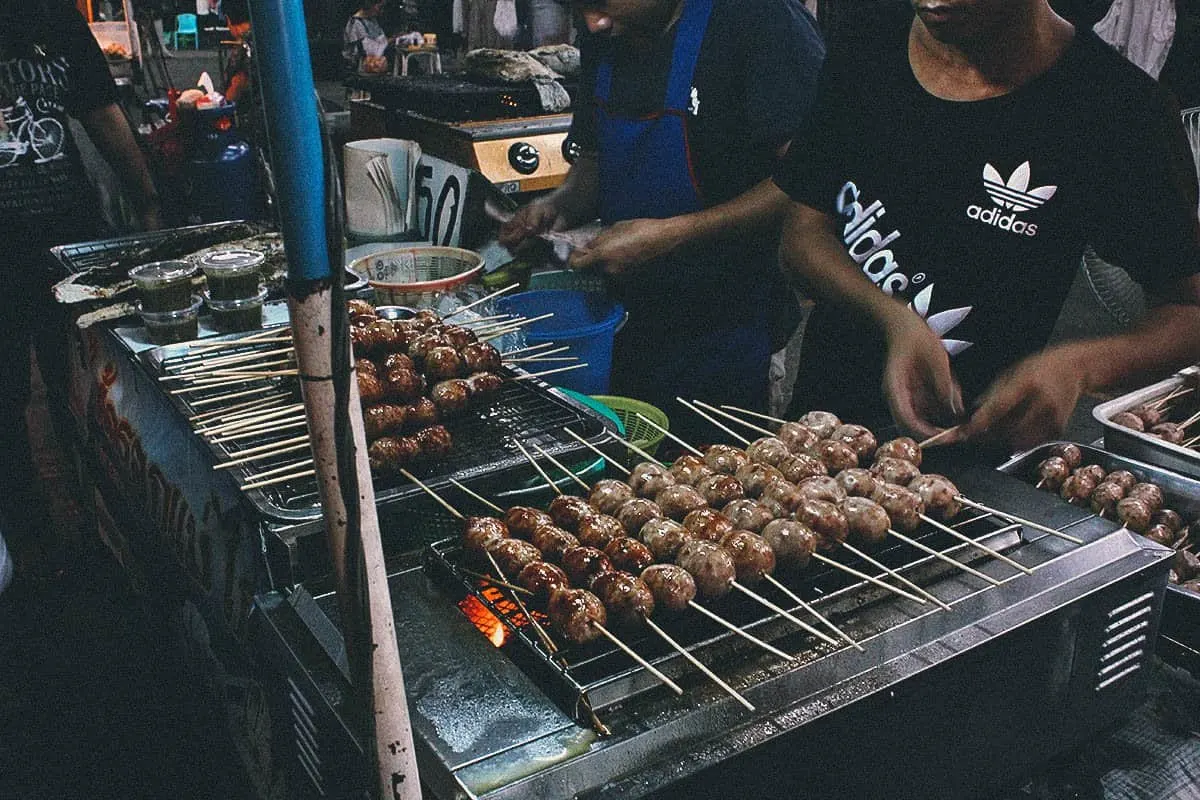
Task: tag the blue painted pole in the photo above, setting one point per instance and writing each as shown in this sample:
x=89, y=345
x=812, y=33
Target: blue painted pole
x=289, y=100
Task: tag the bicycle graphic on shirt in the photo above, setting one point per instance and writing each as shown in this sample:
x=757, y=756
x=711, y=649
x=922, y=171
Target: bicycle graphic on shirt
x=25, y=132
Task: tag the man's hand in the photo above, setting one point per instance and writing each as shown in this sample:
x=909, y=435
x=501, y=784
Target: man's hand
x=530, y=220
x=627, y=244
x=1031, y=402
x=917, y=380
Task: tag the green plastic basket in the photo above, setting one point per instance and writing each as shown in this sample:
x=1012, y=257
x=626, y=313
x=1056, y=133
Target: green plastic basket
x=637, y=431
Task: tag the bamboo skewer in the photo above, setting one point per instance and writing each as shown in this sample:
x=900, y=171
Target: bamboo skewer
x=1190, y=421
x=223, y=378
x=301, y=422
x=208, y=401
x=745, y=442
x=478, y=320
x=218, y=427
x=729, y=626
x=732, y=418
x=260, y=456
x=236, y=408
x=512, y=587
x=197, y=387
x=695, y=662
x=798, y=600
x=483, y=299
x=549, y=372
x=968, y=540
x=1180, y=392
x=542, y=633
x=624, y=648
x=869, y=578
x=492, y=327
x=538, y=467
x=267, y=447
x=203, y=365
x=943, y=557
x=277, y=403
x=668, y=434
x=531, y=348
x=1012, y=518
x=582, y=483
x=536, y=360
x=497, y=509
x=261, y=484
x=230, y=369
x=612, y=462
x=258, y=336
x=937, y=437
x=637, y=450
x=493, y=334
x=756, y=414
x=896, y=575
x=507, y=356
x=789, y=616
x=289, y=466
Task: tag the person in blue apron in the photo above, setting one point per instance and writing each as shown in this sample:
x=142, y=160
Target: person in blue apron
x=684, y=110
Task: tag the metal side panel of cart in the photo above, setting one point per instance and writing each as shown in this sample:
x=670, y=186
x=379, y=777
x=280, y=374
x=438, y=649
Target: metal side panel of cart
x=939, y=704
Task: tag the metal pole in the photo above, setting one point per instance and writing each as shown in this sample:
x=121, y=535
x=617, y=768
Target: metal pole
x=331, y=395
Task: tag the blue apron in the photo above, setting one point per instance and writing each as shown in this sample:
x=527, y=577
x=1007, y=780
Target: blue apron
x=646, y=171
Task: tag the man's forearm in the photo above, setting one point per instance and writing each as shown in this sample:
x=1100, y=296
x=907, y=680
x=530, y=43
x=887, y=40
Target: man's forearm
x=753, y=211
x=577, y=199
x=110, y=132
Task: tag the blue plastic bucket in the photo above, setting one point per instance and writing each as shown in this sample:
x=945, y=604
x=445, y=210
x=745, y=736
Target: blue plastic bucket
x=583, y=321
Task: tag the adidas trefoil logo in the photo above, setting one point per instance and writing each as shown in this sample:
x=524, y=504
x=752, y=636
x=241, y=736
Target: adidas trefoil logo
x=1015, y=193
x=942, y=322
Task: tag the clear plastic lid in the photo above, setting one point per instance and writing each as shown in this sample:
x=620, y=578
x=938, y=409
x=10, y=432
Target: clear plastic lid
x=157, y=273
x=226, y=262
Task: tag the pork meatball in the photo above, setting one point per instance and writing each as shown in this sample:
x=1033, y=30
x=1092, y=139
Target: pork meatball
x=857, y=482
x=676, y=501
x=823, y=423
x=710, y=565
x=597, y=530
x=365, y=366
x=443, y=363
x=1149, y=415
x=793, y=542
x=1123, y=478
x=404, y=385
x=708, y=524
x=1094, y=472
x=1105, y=498
x=1077, y=490
x=583, y=564
x=767, y=450
x=1128, y=420
x=383, y=419
x=542, y=579
x=421, y=413
x=576, y=614
x=648, y=479
x=802, y=466
x=895, y=470
x=1051, y=472
x=512, y=555
x=904, y=508
x=720, y=490
x=370, y=389
x=1168, y=517
x=1148, y=492
x=568, y=511
x=1134, y=513
x=672, y=586
x=522, y=521
x=690, y=469
x=938, y=494
x=1068, y=452
x=480, y=357
x=628, y=554
x=356, y=307
x=826, y=520
x=747, y=515
x=755, y=477
x=1169, y=432
x=426, y=318
x=821, y=487
x=868, y=521
x=798, y=438
x=552, y=540
x=435, y=442
x=458, y=336
x=423, y=345
x=387, y=455
x=901, y=447
x=484, y=385
x=753, y=558
x=452, y=397
x=479, y=533
x=627, y=600
x=835, y=455
x=663, y=537
x=1161, y=534
x=636, y=513
x=381, y=337
x=607, y=496
x=860, y=439
x=783, y=494
x=725, y=459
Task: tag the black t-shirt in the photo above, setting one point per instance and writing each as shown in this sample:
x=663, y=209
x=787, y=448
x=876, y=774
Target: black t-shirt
x=977, y=213
x=50, y=68
x=754, y=82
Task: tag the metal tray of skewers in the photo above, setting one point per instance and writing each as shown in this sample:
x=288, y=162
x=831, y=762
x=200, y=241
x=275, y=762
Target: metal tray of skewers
x=1158, y=424
x=251, y=418
x=1180, y=627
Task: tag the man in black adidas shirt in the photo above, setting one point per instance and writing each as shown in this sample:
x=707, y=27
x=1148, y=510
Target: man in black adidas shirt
x=684, y=109
x=956, y=162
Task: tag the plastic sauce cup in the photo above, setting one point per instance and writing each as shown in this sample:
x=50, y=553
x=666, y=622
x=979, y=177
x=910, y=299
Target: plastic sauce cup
x=237, y=315
x=232, y=274
x=164, y=285
x=178, y=325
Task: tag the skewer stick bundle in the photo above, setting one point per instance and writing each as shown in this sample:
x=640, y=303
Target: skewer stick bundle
x=737, y=436
x=669, y=435
x=968, y=540
x=755, y=414
x=869, y=578
x=798, y=600
x=757, y=429
x=612, y=462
